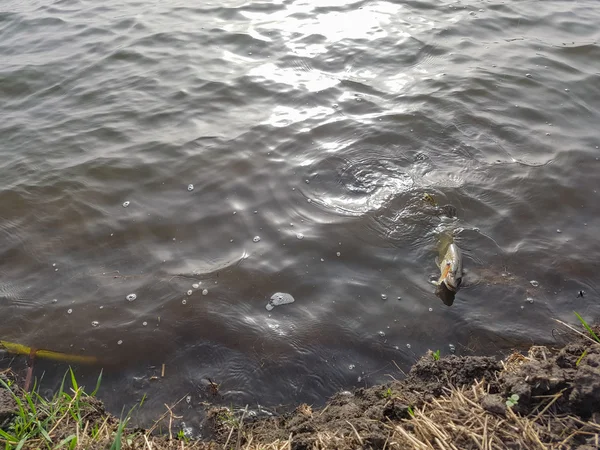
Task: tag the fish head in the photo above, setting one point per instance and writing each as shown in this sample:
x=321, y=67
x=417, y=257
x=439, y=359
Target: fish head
x=445, y=295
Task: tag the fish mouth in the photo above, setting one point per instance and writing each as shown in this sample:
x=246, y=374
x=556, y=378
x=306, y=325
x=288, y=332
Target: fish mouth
x=451, y=287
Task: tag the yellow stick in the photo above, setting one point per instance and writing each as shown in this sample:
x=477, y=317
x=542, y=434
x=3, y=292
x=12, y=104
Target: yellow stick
x=20, y=349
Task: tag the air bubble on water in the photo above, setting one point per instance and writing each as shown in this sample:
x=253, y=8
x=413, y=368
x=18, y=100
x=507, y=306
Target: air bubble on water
x=188, y=399
x=307, y=181
x=381, y=333
x=309, y=200
x=300, y=236
x=399, y=298
x=195, y=285
x=383, y=297
x=54, y=300
x=522, y=307
x=339, y=254
x=256, y=238
x=351, y=366
x=359, y=379
x=101, y=307
x=205, y=292
x=53, y=264
x=126, y=204
x=322, y=260
x=528, y=75
x=430, y=309
x=190, y=187
x=95, y=323
x=452, y=348
x=558, y=230
x=56, y=270
x=184, y=301
x=145, y=324
x=69, y=311
x=407, y=345
x=189, y=292
x=119, y=342
x=131, y=297
x=534, y=283
x=255, y=212
x=529, y=300
x=279, y=298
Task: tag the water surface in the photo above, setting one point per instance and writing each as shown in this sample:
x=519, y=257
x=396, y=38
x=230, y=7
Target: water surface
x=310, y=131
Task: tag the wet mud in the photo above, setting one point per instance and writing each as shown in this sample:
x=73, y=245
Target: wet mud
x=555, y=394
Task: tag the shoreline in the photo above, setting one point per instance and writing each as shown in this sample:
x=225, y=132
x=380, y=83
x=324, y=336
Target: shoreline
x=548, y=398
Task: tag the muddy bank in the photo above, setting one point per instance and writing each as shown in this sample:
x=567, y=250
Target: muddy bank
x=548, y=398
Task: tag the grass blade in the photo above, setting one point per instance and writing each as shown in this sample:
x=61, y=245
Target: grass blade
x=587, y=327
x=67, y=440
x=73, y=380
x=95, y=391
x=7, y=436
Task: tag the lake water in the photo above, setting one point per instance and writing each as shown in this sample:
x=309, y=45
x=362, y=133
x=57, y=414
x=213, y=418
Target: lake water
x=310, y=131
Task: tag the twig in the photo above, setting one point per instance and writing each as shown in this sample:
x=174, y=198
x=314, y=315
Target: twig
x=356, y=432
x=164, y=415
x=577, y=331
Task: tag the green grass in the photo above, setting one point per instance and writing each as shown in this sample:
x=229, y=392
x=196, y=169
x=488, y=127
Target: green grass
x=56, y=423
x=588, y=328
x=436, y=355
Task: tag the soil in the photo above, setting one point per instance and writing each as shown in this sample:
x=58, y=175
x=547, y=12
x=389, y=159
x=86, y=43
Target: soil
x=543, y=374
x=558, y=396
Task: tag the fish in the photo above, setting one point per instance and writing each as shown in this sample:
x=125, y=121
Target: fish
x=451, y=271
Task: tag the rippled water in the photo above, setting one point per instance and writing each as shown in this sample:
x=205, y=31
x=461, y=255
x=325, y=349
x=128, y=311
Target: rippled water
x=242, y=149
